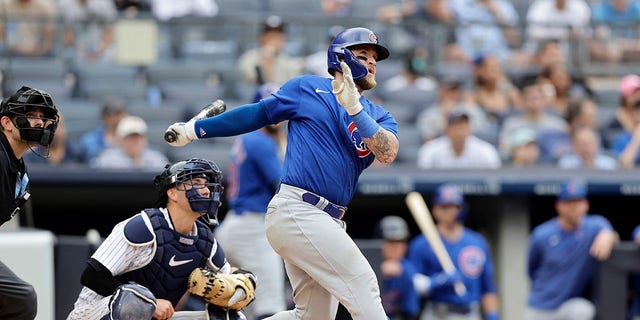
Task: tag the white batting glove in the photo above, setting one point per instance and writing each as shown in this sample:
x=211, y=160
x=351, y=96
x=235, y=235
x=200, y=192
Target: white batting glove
x=185, y=133
x=346, y=92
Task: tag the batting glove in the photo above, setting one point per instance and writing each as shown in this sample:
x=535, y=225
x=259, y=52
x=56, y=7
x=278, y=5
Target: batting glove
x=443, y=279
x=185, y=133
x=346, y=91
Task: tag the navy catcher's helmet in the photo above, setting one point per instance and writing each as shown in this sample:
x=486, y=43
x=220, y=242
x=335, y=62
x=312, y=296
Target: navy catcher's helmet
x=179, y=174
x=24, y=100
x=338, y=50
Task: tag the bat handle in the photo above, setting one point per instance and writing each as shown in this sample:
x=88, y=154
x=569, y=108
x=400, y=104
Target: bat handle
x=461, y=290
x=170, y=136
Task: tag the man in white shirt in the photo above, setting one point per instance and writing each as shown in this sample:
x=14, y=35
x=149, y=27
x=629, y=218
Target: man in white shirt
x=458, y=148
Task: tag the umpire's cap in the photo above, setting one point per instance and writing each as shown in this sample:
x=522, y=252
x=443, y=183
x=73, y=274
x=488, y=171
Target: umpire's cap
x=394, y=228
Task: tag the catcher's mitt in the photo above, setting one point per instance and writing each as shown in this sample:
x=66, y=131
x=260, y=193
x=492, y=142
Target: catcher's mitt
x=234, y=291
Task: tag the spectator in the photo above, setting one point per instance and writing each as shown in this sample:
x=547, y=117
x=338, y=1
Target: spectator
x=560, y=86
x=413, y=76
x=337, y=8
x=268, y=62
x=88, y=28
x=316, y=63
x=458, y=148
x=167, y=9
x=493, y=91
x=399, y=297
x=629, y=96
x=471, y=256
x=486, y=27
x=563, y=20
x=587, y=152
x=131, y=151
x=523, y=148
x=93, y=142
x=253, y=178
x=563, y=257
x=615, y=38
x=432, y=120
x=626, y=144
x=533, y=115
x=30, y=27
x=60, y=151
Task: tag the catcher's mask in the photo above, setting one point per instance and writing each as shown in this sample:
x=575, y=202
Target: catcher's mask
x=339, y=50
x=181, y=174
x=27, y=99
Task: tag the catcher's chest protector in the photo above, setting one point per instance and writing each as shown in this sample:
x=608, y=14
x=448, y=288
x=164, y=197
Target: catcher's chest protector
x=176, y=256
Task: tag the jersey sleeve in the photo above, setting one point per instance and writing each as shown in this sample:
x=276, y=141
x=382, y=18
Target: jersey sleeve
x=636, y=233
x=534, y=255
x=119, y=255
x=488, y=275
x=284, y=104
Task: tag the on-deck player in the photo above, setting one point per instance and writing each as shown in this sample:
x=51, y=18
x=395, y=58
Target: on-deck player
x=563, y=257
x=252, y=180
x=333, y=135
x=27, y=118
x=141, y=269
x=471, y=256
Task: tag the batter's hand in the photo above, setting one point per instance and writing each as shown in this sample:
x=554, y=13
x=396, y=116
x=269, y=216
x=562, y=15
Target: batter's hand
x=185, y=133
x=346, y=91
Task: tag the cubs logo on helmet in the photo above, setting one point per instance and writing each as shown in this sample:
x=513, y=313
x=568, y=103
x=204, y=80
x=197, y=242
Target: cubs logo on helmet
x=339, y=50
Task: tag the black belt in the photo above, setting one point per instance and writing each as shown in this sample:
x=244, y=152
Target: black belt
x=333, y=210
x=450, y=308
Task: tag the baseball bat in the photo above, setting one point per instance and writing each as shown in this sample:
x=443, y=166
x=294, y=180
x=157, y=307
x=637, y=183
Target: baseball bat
x=422, y=216
x=211, y=110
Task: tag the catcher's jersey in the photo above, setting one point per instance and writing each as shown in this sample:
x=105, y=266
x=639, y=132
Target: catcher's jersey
x=471, y=257
x=559, y=263
x=325, y=152
x=120, y=256
x=255, y=169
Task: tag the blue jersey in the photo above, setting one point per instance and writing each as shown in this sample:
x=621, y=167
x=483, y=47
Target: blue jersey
x=325, y=152
x=398, y=293
x=254, y=172
x=560, y=266
x=471, y=257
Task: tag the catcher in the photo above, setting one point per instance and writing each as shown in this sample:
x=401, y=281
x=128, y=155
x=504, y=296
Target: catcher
x=164, y=262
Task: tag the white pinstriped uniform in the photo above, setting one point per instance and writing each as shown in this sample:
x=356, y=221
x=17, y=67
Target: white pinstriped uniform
x=119, y=255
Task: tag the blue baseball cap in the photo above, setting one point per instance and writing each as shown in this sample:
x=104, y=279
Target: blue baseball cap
x=572, y=190
x=448, y=194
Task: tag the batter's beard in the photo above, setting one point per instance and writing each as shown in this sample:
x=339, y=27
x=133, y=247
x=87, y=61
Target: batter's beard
x=367, y=83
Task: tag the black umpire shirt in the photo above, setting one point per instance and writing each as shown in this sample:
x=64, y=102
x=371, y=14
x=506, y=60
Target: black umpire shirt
x=13, y=179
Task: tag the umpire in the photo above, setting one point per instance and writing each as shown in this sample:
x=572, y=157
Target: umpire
x=28, y=118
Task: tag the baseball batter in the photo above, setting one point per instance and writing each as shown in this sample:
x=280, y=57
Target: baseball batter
x=252, y=180
x=27, y=118
x=471, y=256
x=142, y=268
x=563, y=258
x=333, y=135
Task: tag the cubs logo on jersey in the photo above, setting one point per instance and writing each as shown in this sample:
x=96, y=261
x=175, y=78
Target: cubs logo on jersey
x=356, y=138
x=471, y=261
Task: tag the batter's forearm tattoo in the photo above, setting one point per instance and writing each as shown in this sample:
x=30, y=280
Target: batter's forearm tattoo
x=384, y=145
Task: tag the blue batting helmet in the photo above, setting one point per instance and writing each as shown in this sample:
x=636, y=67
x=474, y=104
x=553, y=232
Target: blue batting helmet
x=450, y=194
x=338, y=50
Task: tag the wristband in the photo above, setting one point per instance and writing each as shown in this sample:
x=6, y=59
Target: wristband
x=366, y=125
x=190, y=130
